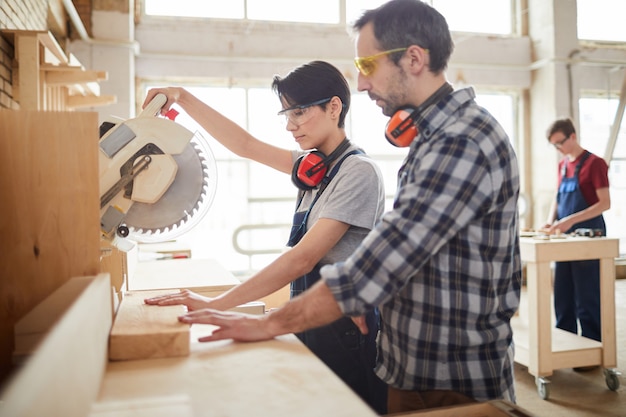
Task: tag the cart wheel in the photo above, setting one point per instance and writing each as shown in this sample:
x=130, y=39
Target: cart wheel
x=612, y=379
x=543, y=387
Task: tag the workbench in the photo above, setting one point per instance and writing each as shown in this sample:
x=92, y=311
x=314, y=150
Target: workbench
x=280, y=377
x=538, y=344
x=69, y=373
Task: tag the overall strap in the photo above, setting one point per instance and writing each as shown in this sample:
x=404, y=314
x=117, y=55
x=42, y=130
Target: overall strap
x=578, y=166
x=334, y=171
x=331, y=175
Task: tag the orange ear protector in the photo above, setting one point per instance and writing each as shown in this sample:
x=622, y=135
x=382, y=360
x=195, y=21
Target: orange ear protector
x=309, y=169
x=401, y=128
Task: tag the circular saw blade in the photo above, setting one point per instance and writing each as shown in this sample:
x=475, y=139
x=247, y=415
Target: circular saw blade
x=184, y=203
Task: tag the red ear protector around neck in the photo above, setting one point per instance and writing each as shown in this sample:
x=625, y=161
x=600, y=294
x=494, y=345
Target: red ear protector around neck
x=309, y=169
x=401, y=129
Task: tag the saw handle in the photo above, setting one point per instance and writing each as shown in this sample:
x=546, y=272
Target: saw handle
x=155, y=106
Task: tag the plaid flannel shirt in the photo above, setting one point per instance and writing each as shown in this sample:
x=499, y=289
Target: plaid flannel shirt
x=444, y=265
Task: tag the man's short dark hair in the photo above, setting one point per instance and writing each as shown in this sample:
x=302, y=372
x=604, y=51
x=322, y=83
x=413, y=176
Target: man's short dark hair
x=402, y=23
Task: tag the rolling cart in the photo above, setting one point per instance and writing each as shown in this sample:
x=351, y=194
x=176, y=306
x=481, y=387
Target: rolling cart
x=540, y=346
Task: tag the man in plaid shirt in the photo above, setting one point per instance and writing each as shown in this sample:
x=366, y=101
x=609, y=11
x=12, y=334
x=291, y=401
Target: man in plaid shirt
x=443, y=265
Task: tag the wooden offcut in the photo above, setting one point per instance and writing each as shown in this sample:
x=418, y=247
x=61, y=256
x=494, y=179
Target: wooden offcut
x=144, y=331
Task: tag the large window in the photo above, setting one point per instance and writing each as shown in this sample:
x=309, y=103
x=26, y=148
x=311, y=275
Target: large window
x=478, y=16
x=194, y=8
x=249, y=193
x=600, y=20
x=319, y=11
x=596, y=118
x=497, y=21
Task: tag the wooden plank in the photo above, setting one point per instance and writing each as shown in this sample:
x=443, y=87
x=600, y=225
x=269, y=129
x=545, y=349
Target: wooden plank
x=62, y=377
x=28, y=57
x=48, y=40
x=578, y=357
x=58, y=75
x=57, y=18
x=42, y=65
x=539, y=289
x=75, y=101
x=32, y=328
x=200, y=275
x=142, y=331
x=568, y=248
x=49, y=214
x=253, y=307
x=607, y=312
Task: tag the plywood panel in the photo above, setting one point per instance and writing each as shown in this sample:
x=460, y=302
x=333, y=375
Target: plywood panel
x=49, y=216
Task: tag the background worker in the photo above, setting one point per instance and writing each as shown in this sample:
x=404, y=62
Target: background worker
x=582, y=197
x=444, y=264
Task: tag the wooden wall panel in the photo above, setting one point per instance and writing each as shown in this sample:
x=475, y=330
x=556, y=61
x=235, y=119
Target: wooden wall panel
x=49, y=211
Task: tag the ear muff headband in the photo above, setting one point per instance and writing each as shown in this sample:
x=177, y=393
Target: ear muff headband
x=309, y=169
x=401, y=130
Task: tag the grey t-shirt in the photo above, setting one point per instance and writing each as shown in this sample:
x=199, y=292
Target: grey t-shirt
x=355, y=196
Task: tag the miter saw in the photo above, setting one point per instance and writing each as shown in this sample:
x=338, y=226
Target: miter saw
x=157, y=178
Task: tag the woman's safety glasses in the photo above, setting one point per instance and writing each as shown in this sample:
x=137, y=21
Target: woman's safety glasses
x=367, y=65
x=300, y=113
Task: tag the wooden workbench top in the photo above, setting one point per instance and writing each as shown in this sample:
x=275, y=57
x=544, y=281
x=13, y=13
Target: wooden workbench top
x=568, y=248
x=276, y=378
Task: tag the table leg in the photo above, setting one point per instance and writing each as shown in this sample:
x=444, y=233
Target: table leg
x=607, y=312
x=539, y=284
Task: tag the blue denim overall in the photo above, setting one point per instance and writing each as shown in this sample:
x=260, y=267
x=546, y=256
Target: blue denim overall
x=577, y=283
x=340, y=345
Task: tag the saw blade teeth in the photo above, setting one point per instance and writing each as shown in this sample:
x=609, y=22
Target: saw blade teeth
x=149, y=227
